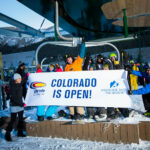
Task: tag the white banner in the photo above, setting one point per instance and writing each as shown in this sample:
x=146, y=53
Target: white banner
x=84, y=88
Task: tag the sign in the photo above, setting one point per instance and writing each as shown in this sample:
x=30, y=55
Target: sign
x=106, y=88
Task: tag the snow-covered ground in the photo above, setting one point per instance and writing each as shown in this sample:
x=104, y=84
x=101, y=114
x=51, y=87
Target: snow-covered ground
x=65, y=144
x=34, y=143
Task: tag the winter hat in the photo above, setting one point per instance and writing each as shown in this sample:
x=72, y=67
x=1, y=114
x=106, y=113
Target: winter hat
x=92, y=66
x=100, y=57
x=22, y=64
x=16, y=76
x=51, y=65
x=67, y=56
x=131, y=61
x=105, y=66
x=112, y=55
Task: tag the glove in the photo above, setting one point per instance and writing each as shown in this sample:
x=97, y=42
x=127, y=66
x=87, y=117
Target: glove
x=130, y=92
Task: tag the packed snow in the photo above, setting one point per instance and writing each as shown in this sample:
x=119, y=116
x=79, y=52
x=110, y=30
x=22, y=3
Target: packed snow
x=65, y=144
x=36, y=143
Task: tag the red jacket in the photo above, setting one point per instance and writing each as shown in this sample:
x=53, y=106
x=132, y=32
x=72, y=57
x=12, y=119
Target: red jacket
x=58, y=70
x=38, y=70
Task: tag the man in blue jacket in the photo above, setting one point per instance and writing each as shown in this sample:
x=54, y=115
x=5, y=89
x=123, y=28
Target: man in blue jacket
x=145, y=91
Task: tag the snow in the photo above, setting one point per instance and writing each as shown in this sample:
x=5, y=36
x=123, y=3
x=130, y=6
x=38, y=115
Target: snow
x=18, y=41
x=13, y=60
x=39, y=143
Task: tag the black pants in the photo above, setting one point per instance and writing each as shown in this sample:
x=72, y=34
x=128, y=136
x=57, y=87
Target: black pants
x=146, y=101
x=100, y=110
x=91, y=111
x=124, y=112
x=20, y=125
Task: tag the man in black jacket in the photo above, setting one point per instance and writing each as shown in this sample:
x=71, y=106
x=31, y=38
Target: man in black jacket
x=16, y=107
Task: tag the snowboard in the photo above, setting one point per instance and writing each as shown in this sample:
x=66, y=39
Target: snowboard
x=104, y=120
x=78, y=122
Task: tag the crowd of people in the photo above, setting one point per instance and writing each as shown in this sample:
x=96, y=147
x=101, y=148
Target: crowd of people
x=138, y=74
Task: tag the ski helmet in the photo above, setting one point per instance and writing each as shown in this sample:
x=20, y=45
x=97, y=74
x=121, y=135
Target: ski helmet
x=112, y=55
x=131, y=61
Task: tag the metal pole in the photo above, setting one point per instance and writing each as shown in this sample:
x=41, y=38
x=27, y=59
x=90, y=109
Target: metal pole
x=125, y=23
x=38, y=49
x=57, y=24
x=90, y=44
x=43, y=61
x=56, y=35
x=115, y=49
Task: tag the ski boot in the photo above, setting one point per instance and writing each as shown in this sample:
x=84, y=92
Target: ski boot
x=8, y=136
x=20, y=134
x=40, y=118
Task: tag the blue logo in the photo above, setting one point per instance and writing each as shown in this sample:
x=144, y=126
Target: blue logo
x=114, y=84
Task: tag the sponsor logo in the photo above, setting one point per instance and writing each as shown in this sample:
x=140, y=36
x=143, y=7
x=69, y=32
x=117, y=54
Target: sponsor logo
x=114, y=84
x=35, y=85
x=114, y=87
x=39, y=92
x=38, y=88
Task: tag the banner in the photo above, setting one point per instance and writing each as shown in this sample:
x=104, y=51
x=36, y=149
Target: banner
x=106, y=88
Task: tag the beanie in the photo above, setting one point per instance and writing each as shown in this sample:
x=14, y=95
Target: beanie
x=16, y=76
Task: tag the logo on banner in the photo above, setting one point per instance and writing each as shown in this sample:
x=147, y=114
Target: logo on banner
x=114, y=84
x=114, y=88
x=35, y=85
x=38, y=88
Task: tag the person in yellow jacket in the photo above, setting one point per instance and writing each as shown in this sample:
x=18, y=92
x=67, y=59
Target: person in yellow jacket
x=76, y=65
x=133, y=78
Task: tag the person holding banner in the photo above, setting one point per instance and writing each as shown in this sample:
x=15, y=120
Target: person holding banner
x=41, y=109
x=145, y=91
x=121, y=112
x=88, y=65
x=101, y=113
x=16, y=107
x=76, y=65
